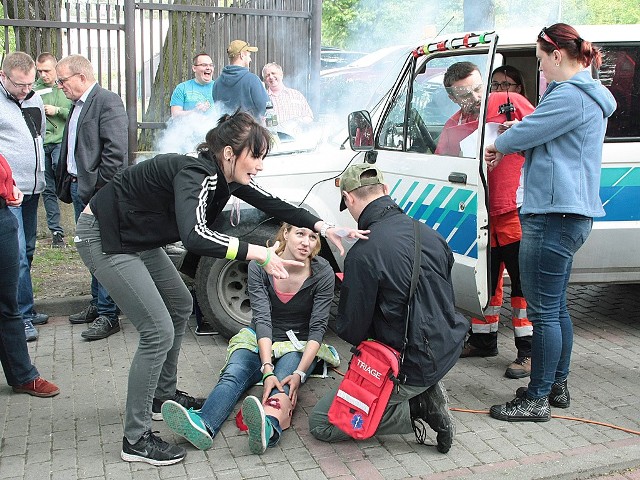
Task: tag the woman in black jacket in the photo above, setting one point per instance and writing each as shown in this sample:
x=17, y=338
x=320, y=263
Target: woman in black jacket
x=162, y=200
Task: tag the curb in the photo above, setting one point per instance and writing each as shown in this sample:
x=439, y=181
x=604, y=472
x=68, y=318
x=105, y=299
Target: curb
x=64, y=306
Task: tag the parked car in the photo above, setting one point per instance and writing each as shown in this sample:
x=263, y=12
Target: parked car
x=333, y=57
x=361, y=83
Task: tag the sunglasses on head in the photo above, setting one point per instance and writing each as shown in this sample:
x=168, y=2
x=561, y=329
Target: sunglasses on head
x=543, y=35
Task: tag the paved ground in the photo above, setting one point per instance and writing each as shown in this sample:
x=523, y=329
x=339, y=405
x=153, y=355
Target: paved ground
x=78, y=434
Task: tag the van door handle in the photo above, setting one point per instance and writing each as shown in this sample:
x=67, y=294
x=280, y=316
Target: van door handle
x=457, y=177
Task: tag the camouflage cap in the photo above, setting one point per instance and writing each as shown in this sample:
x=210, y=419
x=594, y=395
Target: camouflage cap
x=352, y=179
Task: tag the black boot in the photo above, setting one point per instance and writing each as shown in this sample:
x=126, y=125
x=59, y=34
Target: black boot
x=432, y=406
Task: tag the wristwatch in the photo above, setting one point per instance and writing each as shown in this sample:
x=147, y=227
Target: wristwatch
x=303, y=375
x=264, y=365
x=326, y=226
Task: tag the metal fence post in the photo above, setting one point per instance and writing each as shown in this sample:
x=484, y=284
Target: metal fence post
x=130, y=77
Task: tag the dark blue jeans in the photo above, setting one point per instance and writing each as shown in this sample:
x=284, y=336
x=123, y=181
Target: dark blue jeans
x=27, y=216
x=14, y=354
x=99, y=295
x=548, y=245
x=241, y=373
x=49, y=198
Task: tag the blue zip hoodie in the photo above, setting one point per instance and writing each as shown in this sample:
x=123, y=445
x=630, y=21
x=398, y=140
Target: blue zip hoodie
x=238, y=87
x=562, y=140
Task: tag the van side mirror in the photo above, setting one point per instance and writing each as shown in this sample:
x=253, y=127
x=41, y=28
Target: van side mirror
x=360, y=131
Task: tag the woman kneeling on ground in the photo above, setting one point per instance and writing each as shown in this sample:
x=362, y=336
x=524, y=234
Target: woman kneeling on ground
x=281, y=348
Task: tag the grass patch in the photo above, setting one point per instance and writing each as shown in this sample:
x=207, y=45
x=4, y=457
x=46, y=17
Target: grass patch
x=51, y=263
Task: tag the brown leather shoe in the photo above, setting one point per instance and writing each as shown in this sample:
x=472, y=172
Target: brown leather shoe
x=520, y=368
x=38, y=388
x=471, y=351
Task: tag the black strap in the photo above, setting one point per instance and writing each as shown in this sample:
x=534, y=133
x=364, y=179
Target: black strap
x=414, y=283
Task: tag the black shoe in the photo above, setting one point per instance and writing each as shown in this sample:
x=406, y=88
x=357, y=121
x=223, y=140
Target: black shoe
x=559, y=396
x=151, y=449
x=205, y=328
x=523, y=409
x=101, y=328
x=184, y=399
x=432, y=406
x=87, y=315
x=471, y=351
x=57, y=240
x=37, y=318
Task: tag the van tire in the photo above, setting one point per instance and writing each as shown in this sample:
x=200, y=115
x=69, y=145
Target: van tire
x=221, y=290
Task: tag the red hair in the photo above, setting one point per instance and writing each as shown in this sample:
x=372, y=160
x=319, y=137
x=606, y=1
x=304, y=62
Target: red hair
x=568, y=39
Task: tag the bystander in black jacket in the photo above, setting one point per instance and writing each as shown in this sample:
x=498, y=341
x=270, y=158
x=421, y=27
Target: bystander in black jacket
x=375, y=292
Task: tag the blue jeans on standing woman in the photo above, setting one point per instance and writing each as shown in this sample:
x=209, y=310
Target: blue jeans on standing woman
x=14, y=354
x=27, y=216
x=241, y=373
x=549, y=242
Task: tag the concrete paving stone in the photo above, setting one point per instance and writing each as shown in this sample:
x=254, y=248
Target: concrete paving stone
x=198, y=470
x=90, y=465
x=283, y=471
x=381, y=458
x=64, y=475
x=394, y=473
x=414, y=464
x=364, y=469
x=12, y=466
x=316, y=474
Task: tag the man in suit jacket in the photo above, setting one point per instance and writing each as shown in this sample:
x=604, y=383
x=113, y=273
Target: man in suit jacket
x=94, y=148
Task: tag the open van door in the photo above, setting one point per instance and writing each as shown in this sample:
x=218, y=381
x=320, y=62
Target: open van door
x=447, y=191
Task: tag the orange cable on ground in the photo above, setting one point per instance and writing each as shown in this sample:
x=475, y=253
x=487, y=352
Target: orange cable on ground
x=562, y=417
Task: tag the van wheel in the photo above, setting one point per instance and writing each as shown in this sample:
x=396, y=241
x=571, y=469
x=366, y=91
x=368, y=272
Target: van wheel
x=221, y=290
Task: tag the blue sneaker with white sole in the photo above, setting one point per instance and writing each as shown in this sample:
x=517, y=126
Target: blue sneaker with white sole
x=187, y=424
x=259, y=427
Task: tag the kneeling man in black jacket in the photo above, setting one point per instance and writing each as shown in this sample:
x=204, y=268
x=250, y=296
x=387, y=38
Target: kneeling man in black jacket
x=373, y=302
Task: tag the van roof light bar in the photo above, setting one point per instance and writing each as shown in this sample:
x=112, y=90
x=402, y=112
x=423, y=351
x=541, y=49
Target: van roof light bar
x=467, y=41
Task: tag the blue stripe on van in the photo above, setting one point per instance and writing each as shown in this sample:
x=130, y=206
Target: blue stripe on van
x=620, y=194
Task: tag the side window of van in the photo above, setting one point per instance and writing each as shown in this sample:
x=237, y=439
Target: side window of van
x=620, y=72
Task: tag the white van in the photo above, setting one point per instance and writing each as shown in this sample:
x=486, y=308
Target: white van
x=446, y=192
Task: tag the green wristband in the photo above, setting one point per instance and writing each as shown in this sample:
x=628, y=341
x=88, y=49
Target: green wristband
x=267, y=375
x=266, y=260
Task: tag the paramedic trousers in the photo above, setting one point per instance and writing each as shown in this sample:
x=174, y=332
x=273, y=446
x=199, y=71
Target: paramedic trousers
x=148, y=288
x=396, y=417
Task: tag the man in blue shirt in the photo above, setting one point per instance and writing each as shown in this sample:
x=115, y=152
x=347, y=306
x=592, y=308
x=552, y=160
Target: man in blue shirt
x=194, y=95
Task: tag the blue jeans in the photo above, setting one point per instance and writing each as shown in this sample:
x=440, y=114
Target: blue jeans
x=548, y=245
x=241, y=373
x=99, y=295
x=49, y=198
x=14, y=354
x=157, y=302
x=27, y=215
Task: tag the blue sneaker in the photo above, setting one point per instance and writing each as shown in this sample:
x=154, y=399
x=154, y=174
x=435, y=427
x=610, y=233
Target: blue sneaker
x=259, y=427
x=29, y=330
x=187, y=424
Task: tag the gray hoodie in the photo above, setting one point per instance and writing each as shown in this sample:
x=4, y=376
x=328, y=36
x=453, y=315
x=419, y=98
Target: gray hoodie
x=22, y=129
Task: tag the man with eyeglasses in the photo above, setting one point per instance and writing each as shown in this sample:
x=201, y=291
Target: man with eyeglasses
x=94, y=147
x=238, y=88
x=196, y=94
x=22, y=128
x=56, y=109
x=463, y=83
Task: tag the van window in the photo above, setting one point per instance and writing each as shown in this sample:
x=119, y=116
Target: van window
x=620, y=72
x=428, y=108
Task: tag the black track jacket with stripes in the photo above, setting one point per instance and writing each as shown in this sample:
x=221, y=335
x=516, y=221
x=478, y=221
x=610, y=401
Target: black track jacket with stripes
x=175, y=197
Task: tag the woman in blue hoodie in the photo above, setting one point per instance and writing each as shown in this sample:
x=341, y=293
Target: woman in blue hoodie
x=562, y=140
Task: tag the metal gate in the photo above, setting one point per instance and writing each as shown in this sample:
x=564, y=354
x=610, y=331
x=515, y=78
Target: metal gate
x=142, y=50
